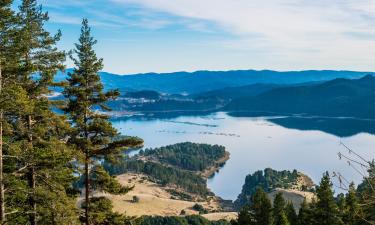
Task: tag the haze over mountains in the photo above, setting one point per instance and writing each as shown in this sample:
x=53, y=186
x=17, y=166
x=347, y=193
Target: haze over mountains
x=203, y=81
x=336, y=98
x=308, y=93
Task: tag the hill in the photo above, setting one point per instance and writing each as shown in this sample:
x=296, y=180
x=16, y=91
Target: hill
x=230, y=93
x=203, y=81
x=271, y=180
x=336, y=98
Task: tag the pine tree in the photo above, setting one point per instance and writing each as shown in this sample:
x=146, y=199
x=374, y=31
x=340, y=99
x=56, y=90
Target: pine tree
x=12, y=97
x=352, y=214
x=5, y=18
x=92, y=134
x=368, y=195
x=326, y=212
x=38, y=135
x=291, y=214
x=305, y=214
x=245, y=216
x=341, y=205
x=261, y=207
x=279, y=215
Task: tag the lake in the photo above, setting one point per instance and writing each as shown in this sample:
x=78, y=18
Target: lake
x=256, y=143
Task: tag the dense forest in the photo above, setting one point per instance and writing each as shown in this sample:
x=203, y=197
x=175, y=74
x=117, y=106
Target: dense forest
x=188, y=156
x=162, y=174
x=173, y=165
x=354, y=207
x=188, y=220
x=43, y=153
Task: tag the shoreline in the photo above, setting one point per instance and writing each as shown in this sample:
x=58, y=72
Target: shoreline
x=209, y=172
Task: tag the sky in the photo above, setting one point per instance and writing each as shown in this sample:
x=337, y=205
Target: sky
x=138, y=36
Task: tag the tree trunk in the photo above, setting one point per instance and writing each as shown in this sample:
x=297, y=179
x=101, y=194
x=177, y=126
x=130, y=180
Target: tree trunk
x=32, y=201
x=2, y=197
x=87, y=187
x=87, y=172
x=32, y=181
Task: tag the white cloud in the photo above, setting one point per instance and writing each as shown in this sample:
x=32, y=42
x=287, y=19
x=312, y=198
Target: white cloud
x=260, y=34
x=328, y=28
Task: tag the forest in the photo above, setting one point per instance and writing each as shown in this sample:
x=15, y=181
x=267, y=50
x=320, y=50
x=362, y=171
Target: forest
x=354, y=207
x=49, y=146
x=161, y=174
x=188, y=156
x=43, y=153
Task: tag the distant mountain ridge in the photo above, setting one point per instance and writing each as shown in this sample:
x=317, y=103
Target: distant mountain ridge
x=205, y=81
x=337, y=98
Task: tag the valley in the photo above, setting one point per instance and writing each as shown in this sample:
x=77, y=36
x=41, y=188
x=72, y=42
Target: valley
x=210, y=137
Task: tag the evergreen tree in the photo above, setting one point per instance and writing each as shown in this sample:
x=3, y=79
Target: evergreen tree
x=352, y=214
x=92, y=133
x=279, y=215
x=326, y=212
x=291, y=214
x=368, y=195
x=261, y=207
x=305, y=214
x=37, y=134
x=341, y=205
x=102, y=214
x=6, y=16
x=245, y=216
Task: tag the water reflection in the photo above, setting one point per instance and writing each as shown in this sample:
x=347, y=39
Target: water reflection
x=311, y=146
x=341, y=127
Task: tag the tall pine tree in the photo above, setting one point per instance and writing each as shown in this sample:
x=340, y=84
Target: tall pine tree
x=5, y=18
x=279, y=215
x=305, y=216
x=368, y=195
x=352, y=213
x=326, y=212
x=261, y=207
x=37, y=133
x=92, y=134
x=12, y=97
x=245, y=217
x=291, y=213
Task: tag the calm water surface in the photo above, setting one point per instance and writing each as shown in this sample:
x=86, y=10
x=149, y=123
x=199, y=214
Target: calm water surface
x=254, y=144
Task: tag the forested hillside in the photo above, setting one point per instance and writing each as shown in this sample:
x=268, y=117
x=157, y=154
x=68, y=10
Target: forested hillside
x=176, y=164
x=188, y=156
x=336, y=98
x=204, y=81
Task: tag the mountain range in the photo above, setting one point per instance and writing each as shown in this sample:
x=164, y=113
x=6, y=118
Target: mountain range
x=336, y=98
x=205, y=81
x=306, y=93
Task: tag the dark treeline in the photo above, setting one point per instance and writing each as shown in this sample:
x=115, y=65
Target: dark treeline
x=188, y=156
x=188, y=220
x=162, y=174
x=43, y=153
x=354, y=207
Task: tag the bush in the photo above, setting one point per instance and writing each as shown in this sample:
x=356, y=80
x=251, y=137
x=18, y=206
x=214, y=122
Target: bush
x=135, y=199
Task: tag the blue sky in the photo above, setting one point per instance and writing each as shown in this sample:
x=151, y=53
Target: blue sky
x=136, y=36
